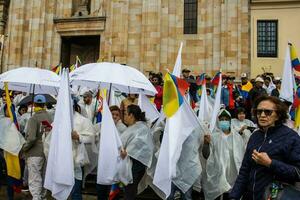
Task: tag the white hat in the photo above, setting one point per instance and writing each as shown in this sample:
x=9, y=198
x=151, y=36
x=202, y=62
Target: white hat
x=259, y=79
x=277, y=78
x=224, y=112
x=243, y=75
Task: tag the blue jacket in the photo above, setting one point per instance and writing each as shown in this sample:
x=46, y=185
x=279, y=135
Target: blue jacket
x=282, y=144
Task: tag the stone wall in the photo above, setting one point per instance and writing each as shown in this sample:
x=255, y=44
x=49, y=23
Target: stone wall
x=144, y=34
x=147, y=34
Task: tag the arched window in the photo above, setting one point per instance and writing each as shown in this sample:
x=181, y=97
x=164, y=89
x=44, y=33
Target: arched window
x=190, y=16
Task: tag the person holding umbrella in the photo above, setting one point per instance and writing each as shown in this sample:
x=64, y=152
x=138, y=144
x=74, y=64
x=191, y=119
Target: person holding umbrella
x=33, y=147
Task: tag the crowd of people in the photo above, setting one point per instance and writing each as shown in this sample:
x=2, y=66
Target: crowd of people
x=253, y=153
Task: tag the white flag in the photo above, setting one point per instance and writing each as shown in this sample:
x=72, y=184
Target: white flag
x=59, y=177
x=203, y=114
x=217, y=105
x=177, y=66
x=112, y=99
x=148, y=107
x=178, y=128
x=109, y=151
x=287, y=86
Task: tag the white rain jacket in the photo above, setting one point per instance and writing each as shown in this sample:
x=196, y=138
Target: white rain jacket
x=223, y=163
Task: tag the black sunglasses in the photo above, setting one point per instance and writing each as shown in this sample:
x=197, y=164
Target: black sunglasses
x=267, y=112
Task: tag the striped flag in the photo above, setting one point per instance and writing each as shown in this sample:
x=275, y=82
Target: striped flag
x=217, y=104
x=216, y=79
x=12, y=161
x=201, y=79
x=174, y=90
x=294, y=58
x=57, y=69
x=99, y=106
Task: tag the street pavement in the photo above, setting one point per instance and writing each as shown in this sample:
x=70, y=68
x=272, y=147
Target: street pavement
x=147, y=195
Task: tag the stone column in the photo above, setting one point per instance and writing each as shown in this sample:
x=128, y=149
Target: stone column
x=3, y=19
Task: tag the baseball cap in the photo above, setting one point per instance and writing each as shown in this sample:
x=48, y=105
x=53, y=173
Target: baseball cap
x=87, y=94
x=186, y=70
x=259, y=79
x=39, y=99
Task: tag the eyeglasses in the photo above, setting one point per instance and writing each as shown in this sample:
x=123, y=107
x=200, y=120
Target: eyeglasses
x=267, y=112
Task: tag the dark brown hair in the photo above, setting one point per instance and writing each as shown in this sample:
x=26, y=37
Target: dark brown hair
x=240, y=110
x=114, y=108
x=280, y=108
x=136, y=112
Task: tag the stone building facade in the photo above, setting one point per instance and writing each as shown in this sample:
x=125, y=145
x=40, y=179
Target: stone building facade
x=145, y=34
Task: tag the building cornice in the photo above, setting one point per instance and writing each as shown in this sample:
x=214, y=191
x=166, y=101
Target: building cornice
x=80, y=25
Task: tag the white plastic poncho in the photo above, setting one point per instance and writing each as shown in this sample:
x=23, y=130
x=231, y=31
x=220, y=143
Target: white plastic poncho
x=188, y=168
x=84, y=153
x=11, y=139
x=156, y=131
x=121, y=127
x=236, y=126
x=88, y=111
x=223, y=163
x=138, y=142
x=23, y=119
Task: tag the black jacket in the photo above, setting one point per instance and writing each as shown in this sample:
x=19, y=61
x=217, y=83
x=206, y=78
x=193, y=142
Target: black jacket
x=282, y=144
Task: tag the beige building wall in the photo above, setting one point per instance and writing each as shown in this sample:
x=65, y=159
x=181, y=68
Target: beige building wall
x=145, y=34
x=288, y=15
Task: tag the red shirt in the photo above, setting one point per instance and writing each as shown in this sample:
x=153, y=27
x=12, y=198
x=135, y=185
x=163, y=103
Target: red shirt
x=158, y=97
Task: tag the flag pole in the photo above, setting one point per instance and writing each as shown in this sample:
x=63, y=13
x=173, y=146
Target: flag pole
x=109, y=94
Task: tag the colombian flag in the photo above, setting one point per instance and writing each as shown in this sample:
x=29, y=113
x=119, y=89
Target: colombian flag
x=56, y=69
x=296, y=107
x=246, y=89
x=294, y=58
x=99, y=109
x=12, y=161
x=99, y=104
x=174, y=90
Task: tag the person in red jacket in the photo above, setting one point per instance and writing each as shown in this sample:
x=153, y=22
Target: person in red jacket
x=156, y=81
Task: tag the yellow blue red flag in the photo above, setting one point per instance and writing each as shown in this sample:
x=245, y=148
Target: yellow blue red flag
x=294, y=58
x=56, y=69
x=174, y=90
x=12, y=161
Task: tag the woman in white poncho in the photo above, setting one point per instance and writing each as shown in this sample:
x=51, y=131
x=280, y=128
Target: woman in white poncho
x=138, y=145
x=242, y=125
x=224, y=151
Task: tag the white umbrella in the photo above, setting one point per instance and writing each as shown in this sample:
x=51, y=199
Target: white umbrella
x=112, y=76
x=31, y=80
